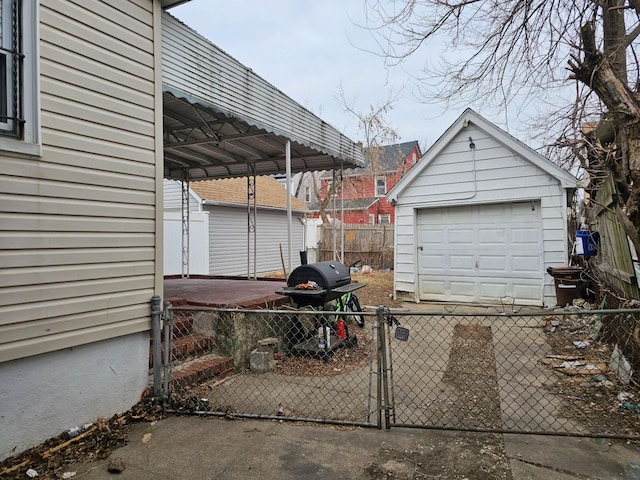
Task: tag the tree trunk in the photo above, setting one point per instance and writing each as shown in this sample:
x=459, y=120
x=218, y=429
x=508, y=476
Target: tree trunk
x=623, y=113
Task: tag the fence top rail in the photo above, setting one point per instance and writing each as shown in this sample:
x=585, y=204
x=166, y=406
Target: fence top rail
x=283, y=311
x=403, y=313
x=634, y=311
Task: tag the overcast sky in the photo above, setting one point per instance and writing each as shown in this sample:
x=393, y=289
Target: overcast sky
x=308, y=48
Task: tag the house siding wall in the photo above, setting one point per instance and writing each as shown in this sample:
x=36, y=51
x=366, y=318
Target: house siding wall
x=173, y=197
x=78, y=224
x=501, y=176
x=228, y=240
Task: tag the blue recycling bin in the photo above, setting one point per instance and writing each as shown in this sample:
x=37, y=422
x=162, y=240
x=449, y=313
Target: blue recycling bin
x=587, y=243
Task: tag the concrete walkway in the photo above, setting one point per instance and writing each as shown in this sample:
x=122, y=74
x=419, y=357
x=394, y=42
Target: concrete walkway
x=215, y=448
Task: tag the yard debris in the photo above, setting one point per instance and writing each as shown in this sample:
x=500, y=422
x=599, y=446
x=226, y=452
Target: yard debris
x=623, y=396
x=146, y=438
x=52, y=458
x=620, y=366
x=116, y=465
x=576, y=367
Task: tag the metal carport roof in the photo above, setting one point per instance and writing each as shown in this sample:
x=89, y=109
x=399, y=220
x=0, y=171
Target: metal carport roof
x=202, y=140
x=222, y=120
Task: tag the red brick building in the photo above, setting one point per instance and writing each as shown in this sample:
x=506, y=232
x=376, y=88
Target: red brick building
x=360, y=199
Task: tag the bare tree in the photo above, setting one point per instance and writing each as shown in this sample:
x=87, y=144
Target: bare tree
x=500, y=50
x=376, y=131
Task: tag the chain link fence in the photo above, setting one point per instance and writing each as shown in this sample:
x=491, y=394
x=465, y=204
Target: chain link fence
x=552, y=372
x=562, y=372
x=299, y=365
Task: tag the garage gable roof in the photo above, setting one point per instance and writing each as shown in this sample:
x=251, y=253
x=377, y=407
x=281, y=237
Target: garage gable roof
x=233, y=191
x=516, y=146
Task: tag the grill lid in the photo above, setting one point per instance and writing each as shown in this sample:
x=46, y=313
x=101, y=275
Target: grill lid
x=328, y=275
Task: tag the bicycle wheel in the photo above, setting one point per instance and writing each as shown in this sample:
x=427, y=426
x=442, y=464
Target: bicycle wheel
x=354, y=306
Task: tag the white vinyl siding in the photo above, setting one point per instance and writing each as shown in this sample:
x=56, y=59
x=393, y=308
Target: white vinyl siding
x=228, y=240
x=500, y=176
x=198, y=243
x=78, y=225
x=173, y=197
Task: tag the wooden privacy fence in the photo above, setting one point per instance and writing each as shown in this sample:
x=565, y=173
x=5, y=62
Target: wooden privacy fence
x=371, y=244
x=613, y=262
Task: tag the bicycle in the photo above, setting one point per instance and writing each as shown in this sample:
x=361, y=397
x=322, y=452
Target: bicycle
x=348, y=305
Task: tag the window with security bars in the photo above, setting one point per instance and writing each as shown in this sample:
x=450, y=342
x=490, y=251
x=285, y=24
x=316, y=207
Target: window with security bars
x=19, y=70
x=10, y=66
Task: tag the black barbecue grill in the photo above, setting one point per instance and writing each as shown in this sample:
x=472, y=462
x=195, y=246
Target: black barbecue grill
x=314, y=285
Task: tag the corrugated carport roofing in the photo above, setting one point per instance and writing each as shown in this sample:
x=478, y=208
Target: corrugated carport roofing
x=222, y=120
x=204, y=141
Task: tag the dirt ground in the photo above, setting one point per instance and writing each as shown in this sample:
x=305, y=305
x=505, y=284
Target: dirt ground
x=378, y=290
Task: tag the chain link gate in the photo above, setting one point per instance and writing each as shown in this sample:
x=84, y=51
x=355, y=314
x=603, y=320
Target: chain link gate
x=544, y=373
x=268, y=364
x=559, y=372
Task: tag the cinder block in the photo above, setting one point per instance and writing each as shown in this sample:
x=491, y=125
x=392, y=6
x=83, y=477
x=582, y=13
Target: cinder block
x=259, y=361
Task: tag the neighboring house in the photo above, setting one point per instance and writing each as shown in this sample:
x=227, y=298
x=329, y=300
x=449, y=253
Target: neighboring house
x=362, y=196
x=88, y=130
x=227, y=239
x=480, y=219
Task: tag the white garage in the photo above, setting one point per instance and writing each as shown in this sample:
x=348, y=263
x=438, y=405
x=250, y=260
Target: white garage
x=479, y=219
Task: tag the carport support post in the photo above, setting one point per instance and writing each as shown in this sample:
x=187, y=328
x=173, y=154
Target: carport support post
x=156, y=316
x=289, y=221
x=383, y=380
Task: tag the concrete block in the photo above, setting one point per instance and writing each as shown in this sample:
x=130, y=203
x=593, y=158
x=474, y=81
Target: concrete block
x=259, y=361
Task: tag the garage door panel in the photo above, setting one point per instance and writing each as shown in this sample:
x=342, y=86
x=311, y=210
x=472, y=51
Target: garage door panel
x=429, y=237
x=462, y=288
x=494, y=263
x=525, y=265
x=525, y=236
x=527, y=291
x=481, y=253
x=492, y=212
x=460, y=236
x=491, y=291
x=455, y=216
x=433, y=263
x=461, y=264
x=491, y=236
x=437, y=288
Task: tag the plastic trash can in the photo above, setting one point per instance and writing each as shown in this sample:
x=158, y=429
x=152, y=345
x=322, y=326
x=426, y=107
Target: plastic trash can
x=568, y=282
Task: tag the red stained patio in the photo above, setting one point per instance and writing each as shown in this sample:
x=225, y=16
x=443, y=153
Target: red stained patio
x=220, y=292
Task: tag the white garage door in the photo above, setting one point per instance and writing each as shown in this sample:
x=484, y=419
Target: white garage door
x=482, y=253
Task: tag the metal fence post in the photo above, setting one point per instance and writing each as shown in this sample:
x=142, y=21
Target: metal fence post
x=156, y=317
x=383, y=380
x=168, y=338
